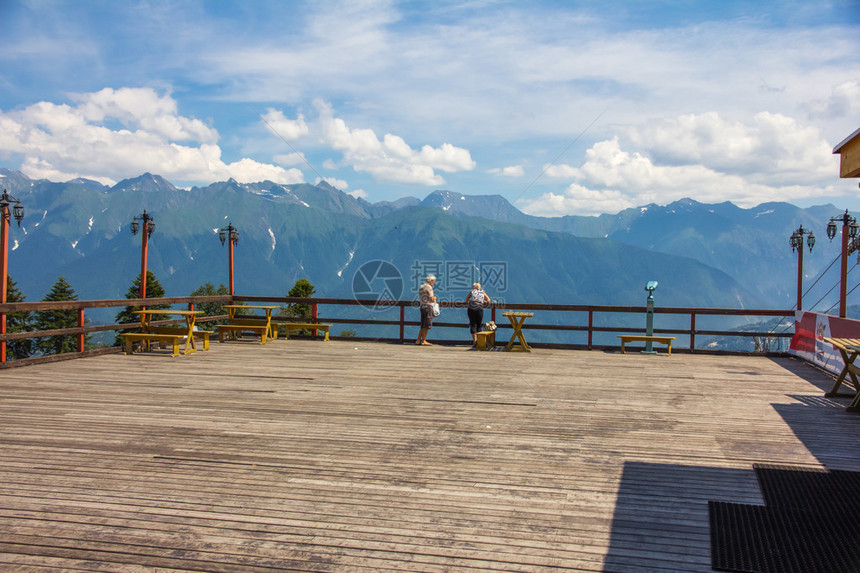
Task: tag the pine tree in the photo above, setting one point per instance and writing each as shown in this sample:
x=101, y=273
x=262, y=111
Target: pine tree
x=302, y=289
x=55, y=319
x=18, y=322
x=153, y=290
x=211, y=308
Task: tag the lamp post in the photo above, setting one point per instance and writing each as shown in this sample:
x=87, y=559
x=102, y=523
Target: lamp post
x=230, y=234
x=796, y=242
x=148, y=228
x=16, y=211
x=849, y=230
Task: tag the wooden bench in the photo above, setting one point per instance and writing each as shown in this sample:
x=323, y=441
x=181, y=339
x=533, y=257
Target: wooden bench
x=290, y=326
x=667, y=340
x=131, y=337
x=201, y=334
x=240, y=326
x=486, y=339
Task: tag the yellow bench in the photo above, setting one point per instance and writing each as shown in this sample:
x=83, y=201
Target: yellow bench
x=131, y=337
x=202, y=334
x=667, y=340
x=241, y=326
x=289, y=326
x=486, y=339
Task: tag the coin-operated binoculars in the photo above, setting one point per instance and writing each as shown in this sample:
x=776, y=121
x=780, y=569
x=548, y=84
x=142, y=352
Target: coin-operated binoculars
x=650, y=286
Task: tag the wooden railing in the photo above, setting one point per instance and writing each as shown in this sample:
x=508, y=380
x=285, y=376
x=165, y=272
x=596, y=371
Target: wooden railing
x=398, y=326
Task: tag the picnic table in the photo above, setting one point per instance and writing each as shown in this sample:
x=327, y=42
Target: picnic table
x=260, y=325
x=517, y=319
x=849, y=348
x=173, y=335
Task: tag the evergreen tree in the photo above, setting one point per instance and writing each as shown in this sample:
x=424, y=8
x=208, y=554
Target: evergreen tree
x=153, y=290
x=211, y=308
x=302, y=289
x=18, y=322
x=55, y=319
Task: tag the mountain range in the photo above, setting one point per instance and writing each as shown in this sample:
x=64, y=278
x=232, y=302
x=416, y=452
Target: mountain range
x=702, y=255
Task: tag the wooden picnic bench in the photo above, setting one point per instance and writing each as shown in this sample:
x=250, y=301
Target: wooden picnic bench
x=625, y=338
x=485, y=340
x=290, y=326
x=238, y=326
x=166, y=334
x=849, y=348
x=200, y=334
x=261, y=325
x=129, y=338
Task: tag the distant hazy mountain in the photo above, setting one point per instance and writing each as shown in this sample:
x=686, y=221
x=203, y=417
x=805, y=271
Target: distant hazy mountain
x=750, y=245
x=703, y=255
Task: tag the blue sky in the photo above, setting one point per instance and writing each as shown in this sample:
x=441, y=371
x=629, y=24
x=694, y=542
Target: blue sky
x=561, y=107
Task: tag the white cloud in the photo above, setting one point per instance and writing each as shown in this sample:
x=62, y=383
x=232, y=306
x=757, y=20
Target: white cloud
x=336, y=183
x=773, y=150
x=390, y=159
x=578, y=200
x=359, y=194
x=143, y=108
x=699, y=156
x=248, y=171
x=509, y=171
x=61, y=142
x=287, y=129
x=844, y=102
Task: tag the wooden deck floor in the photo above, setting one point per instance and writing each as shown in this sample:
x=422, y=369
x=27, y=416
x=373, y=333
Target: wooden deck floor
x=340, y=456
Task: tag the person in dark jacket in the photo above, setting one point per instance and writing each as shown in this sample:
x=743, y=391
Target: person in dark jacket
x=475, y=302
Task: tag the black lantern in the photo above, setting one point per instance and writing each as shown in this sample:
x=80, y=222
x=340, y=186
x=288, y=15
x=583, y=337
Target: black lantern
x=17, y=209
x=847, y=221
x=796, y=239
x=148, y=222
x=231, y=232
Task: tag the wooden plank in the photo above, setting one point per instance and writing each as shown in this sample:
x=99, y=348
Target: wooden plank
x=364, y=456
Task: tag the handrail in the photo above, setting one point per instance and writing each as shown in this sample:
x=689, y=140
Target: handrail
x=589, y=328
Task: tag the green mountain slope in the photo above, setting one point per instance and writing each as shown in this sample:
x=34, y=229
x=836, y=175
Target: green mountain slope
x=80, y=230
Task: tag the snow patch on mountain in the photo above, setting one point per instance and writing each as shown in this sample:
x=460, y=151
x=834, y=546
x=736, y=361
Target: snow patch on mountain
x=343, y=268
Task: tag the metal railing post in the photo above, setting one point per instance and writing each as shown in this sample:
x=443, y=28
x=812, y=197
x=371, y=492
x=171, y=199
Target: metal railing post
x=81, y=336
x=692, y=331
x=590, y=328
